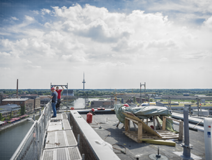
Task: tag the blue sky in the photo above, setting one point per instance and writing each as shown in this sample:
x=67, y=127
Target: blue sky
x=118, y=44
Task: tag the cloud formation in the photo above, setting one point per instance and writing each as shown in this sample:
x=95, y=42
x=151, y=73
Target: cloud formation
x=112, y=44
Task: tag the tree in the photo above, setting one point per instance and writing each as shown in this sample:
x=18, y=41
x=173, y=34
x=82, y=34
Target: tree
x=22, y=110
x=0, y=116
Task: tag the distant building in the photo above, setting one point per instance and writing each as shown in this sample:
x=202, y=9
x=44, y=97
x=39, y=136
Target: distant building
x=44, y=100
x=23, y=102
x=6, y=110
x=157, y=97
x=70, y=92
x=36, y=99
x=185, y=94
x=1, y=97
x=200, y=95
x=102, y=103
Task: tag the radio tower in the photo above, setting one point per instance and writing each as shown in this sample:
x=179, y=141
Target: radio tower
x=83, y=82
x=84, y=88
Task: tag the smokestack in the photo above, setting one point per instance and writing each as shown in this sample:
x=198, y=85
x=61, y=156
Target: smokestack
x=17, y=90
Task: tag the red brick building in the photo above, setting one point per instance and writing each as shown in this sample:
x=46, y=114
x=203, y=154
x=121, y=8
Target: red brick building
x=36, y=99
x=23, y=102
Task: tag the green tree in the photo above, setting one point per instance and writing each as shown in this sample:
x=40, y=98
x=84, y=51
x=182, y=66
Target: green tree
x=0, y=116
x=22, y=110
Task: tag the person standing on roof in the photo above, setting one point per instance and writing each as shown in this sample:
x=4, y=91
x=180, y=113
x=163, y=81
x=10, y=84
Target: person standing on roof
x=58, y=97
x=54, y=101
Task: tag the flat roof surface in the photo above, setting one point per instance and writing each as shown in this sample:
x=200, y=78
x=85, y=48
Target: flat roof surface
x=105, y=127
x=15, y=99
x=60, y=141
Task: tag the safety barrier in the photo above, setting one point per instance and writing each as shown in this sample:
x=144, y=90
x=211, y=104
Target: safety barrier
x=32, y=145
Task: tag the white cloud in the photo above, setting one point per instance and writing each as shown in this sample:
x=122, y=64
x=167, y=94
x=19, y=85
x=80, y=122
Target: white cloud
x=4, y=54
x=28, y=18
x=164, y=59
x=45, y=11
x=34, y=67
x=208, y=23
x=14, y=18
x=94, y=40
x=6, y=69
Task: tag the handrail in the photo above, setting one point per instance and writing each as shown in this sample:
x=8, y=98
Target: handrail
x=23, y=142
x=37, y=133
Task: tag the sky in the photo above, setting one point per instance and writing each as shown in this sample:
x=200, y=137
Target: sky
x=117, y=44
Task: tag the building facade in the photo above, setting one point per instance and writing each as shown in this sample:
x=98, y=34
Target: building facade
x=102, y=103
x=35, y=98
x=10, y=110
x=26, y=104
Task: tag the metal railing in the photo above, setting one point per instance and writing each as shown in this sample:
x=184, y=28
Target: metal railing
x=32, y=145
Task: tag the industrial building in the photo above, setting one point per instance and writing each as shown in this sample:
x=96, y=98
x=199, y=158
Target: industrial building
x=23, y=102
x=44, y=100
x=6, y=110
x=36, y=99
x=102, y=103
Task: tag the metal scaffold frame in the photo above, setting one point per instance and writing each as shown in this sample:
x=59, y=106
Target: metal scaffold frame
x=66, y=86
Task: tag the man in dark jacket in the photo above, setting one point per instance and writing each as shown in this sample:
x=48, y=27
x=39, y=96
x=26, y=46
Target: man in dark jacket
x=54, y=101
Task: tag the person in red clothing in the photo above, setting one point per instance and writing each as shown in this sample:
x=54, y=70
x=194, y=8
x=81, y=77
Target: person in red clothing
x=58, y=97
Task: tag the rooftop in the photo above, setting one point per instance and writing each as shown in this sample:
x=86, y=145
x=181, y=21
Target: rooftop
x=15, y=99
x=105, y=126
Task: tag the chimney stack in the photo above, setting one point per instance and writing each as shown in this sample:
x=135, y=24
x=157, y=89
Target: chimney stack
x=17, y=90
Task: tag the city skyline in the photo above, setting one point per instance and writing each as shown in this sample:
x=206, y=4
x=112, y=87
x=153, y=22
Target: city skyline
x=117, y=44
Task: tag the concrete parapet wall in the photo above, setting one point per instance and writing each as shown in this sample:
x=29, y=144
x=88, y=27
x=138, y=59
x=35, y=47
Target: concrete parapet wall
x=89, y=138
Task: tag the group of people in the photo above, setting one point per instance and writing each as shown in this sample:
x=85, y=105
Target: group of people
x=56, y=99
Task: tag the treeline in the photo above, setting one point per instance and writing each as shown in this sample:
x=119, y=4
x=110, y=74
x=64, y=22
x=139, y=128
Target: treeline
x=101, y=92
x=26, y=91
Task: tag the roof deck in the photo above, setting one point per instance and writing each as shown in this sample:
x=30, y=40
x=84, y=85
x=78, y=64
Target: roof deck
x=125, y=148
x=60, y=143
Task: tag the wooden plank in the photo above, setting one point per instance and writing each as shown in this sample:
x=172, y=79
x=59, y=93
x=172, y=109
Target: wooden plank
x=126, y=125
x=139, y=131
x=136, y=122
x=132, y=136
x=161, y=142
x=158, y=122
x=144, y=126
x=169, y=137
x=164, y=123
x=150, y=137
x=163, y=131
x=180, y=131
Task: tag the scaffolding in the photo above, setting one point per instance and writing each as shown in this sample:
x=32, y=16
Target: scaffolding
x=66, y=86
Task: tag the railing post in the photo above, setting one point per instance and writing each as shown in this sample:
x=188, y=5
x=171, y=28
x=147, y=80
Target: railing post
x=186, y=146
x=37, y=141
